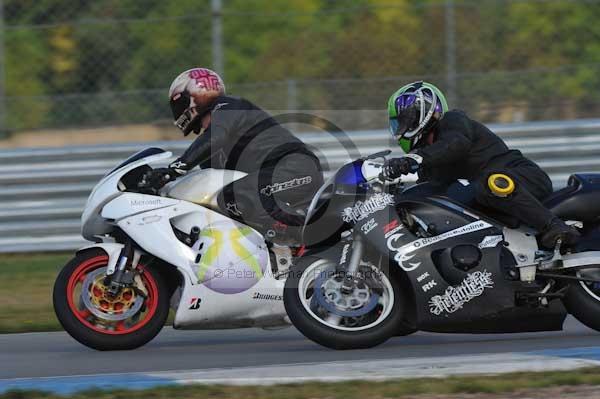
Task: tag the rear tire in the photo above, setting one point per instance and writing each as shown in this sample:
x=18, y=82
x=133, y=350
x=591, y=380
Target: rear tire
x=85, y=323
x=584, y=304
x=334, y=338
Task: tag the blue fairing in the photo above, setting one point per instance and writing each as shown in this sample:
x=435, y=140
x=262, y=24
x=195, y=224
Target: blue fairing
x=350, y=174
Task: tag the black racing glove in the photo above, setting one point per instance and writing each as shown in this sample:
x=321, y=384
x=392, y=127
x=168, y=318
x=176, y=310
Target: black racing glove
x=396, y=167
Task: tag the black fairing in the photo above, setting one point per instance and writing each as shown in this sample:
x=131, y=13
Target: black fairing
x=432, y=275
x=459, y=197
x=580, y=200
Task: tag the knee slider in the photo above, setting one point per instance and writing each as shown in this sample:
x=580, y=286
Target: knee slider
x=501, y=185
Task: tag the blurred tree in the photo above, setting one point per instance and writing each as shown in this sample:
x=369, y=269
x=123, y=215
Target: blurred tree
x=271, y=41
x=111, y=61
x=559, y=44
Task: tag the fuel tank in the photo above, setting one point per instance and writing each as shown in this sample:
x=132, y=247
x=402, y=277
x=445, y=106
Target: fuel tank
x=202, y=187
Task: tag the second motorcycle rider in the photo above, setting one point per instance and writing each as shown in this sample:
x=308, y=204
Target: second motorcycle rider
x=444, y=146
x=283, y=173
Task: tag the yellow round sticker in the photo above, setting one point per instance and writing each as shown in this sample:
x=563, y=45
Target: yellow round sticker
x=501, y=185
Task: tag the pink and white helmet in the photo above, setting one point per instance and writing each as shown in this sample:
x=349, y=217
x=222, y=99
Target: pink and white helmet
x=186, y=113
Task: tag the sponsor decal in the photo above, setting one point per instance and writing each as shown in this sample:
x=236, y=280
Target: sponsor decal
x=233, y=209
x=361, y=210
x=404, y=253
x=344, y=254
x=178, y=165
x=286, y=185
x=402, y=257
x=393, y=231
x=146, y=202
x=390, y=226
x=369, y=225
x=195, y=303
x=490, y=241
x=267, y=297
x=429, y=285
x=455, y=297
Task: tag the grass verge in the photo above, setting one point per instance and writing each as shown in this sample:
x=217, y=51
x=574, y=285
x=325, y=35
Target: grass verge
x=504, y=383
x=26, y=282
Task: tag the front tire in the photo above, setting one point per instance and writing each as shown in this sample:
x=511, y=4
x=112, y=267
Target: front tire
x=101, y=322
x=383, y=322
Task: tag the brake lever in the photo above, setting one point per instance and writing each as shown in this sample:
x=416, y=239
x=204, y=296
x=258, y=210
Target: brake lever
x=380, y=154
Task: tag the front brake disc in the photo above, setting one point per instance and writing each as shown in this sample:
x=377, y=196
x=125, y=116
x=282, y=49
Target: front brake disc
x=351, y=305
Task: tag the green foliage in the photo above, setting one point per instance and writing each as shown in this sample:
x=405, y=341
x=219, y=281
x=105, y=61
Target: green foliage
x=111, y=61
x=26, y=291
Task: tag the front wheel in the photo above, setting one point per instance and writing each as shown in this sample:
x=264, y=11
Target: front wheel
x=102, y=321
x=365, y=316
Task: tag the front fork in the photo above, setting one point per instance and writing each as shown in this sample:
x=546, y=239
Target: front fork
x=123, y=276
x=355, y=258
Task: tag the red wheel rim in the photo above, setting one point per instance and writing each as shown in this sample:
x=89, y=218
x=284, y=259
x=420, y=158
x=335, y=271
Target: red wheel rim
x=79, y=275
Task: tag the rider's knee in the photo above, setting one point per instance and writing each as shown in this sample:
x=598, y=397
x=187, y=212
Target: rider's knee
x=495, y=184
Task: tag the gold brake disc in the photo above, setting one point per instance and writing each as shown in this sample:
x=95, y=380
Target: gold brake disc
x=101, y=298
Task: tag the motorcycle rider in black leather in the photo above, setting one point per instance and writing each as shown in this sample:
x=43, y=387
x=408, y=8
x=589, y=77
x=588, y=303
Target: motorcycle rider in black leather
x=443, y=146
x=283, y=173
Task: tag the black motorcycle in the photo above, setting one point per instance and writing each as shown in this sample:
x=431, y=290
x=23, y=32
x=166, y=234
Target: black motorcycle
x=384, y=261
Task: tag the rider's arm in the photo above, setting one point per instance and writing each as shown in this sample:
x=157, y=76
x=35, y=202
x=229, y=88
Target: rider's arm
x=452, y=144
x=210, y=143
x=198, y=152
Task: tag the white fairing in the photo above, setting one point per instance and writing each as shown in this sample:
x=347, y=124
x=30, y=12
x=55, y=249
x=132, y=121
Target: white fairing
x=92, y=223
x=227, y=280
x=202, y=186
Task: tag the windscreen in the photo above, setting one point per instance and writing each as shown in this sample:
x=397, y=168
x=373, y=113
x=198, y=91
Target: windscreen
x=350, y=174
x=138, y=155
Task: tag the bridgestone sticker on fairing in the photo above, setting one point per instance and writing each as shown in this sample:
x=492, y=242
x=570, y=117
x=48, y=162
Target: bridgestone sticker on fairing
x=405, y=253
x=455, y=297
x=361, y=210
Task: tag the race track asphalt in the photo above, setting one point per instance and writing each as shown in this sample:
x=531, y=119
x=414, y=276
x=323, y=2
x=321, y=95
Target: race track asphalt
x=57, y=354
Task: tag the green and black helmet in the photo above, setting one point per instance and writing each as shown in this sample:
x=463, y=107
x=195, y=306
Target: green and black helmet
x=412, y=110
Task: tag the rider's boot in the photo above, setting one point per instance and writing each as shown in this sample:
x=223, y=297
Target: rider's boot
x=557, y=229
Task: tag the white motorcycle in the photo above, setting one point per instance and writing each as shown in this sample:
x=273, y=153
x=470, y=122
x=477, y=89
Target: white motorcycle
x=166, y=249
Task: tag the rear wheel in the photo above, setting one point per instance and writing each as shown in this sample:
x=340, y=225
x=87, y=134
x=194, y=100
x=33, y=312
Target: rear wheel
x=583, y=299
x=363, y=317
x=95, y=318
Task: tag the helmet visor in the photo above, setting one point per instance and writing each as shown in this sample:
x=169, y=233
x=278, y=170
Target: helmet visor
x=408, y=122
x=179, y=103
x=394, y=127
x=407, y=109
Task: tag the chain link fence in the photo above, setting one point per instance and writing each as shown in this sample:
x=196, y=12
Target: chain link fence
x=67, y=64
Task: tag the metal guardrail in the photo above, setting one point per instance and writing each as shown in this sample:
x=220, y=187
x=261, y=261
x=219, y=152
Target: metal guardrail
x=43, y=190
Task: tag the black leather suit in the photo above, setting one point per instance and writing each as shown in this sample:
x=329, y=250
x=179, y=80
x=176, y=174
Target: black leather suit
x=283, y=173
x=466, y=149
